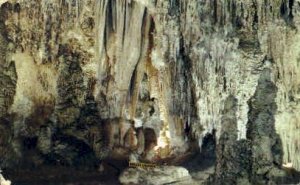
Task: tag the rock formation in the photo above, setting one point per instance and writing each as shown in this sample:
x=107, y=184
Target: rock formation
x=3, y=181
x=257, y=159
x=161, y=175
x=83, y=81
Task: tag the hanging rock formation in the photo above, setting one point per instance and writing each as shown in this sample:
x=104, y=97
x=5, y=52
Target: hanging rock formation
x=116, y=78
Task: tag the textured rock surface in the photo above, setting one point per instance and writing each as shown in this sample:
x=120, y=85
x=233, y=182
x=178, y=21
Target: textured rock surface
x=161, y=175
x=148, y=76
x=3, y=181
x=233, y=157
x=266, y=147
x=254, y=160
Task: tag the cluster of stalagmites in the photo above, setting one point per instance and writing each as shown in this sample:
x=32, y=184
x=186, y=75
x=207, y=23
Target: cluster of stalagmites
x=258, y=159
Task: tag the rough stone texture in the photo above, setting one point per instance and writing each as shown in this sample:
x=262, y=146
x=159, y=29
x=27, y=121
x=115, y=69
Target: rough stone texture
x=160, y=175
x=257, y=159
x=233, y=157
x=8, y=80
x=3, y=181
x=266, y=146
x=97, y=75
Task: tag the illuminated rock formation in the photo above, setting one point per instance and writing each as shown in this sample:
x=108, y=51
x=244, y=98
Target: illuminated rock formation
x=146, y=77
x=3, y=181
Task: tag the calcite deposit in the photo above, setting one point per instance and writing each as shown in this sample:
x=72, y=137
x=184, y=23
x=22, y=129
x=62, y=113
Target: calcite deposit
x=3, y=181
x=83, y=81
x=162, y=175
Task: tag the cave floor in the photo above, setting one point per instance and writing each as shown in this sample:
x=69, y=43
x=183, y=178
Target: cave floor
x=200, y=168
x=60, y=175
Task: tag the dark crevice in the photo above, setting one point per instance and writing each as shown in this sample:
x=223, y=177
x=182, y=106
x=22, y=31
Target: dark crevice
x=174, y=8
x=291, y=5
x=150, y=139
x=132, y=84
x=150, y=36
x=30, y=143
x=206, y=158
x=255, y=18
x=233, y=12
x=286, y=12
x=215, y=11
x=124, y=27
x=70, y=151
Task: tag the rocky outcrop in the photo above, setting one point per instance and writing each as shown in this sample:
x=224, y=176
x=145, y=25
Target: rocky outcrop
x=257, y=159
x=233, y=165
x=266, y=146
x=8, y=83
x=159, y=175
x=3, y=181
